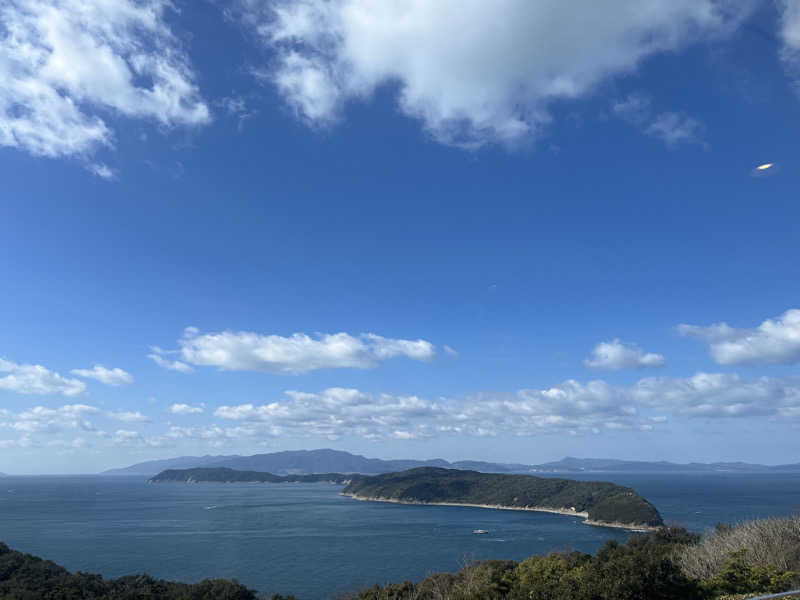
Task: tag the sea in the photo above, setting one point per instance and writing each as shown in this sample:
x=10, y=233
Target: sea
x=307, y=540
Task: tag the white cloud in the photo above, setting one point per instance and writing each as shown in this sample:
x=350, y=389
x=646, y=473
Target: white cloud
x=718, y=395
x=128, y=417
x=298, y=353
x=492, y=82
x=114, y=377
x=67, y=64
x=775, y=341
x=36, y=379
x=672, y=128
x=450, y=351
x=171, y=365
x=617, y=355
x=49, y=420
x=185, y=409
x=127, y=437
x=103, y=171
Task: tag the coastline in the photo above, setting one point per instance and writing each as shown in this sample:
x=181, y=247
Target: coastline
x=559, y=511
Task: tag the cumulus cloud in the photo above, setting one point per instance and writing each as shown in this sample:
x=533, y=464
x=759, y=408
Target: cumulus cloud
x=494, y=81
x=36, y=379
x=67, y=64
x=115, y=377
x=298, y=353
x=672, y=128
x=775, y=341
x=617, y=355
x=186, y=409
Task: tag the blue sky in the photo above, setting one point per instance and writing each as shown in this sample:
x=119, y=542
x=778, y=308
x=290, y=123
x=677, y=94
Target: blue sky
x=252, y=225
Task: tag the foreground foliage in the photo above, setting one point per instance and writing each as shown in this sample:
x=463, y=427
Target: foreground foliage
x=27, y=577
x=647, y=567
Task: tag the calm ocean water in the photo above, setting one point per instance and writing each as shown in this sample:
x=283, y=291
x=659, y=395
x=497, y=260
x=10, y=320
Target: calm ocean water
x=307, y=540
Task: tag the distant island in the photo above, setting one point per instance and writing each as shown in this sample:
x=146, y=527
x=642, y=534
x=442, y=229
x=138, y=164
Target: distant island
x=307, y=462
x=599, y=503
x=225, y=475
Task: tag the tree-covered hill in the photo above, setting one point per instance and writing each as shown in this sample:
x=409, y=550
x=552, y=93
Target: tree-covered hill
x=225, y=475
x=604, y=503
x=27, y=577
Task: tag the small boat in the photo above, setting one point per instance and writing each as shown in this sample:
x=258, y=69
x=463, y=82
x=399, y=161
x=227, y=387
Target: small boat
x=479, y=531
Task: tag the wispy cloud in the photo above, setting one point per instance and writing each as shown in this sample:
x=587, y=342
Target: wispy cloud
x=790, y=38
x=157, y=356
x=672, y=128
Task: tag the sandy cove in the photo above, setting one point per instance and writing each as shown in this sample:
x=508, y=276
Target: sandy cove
x=559, y=511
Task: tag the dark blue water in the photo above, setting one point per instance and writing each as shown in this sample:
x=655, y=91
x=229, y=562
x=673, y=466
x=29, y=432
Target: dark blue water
x=307, y=540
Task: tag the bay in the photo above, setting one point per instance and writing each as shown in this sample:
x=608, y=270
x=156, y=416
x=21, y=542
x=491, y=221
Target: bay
x=307, y=540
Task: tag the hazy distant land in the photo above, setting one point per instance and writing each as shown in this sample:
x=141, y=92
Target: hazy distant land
x=307, y=462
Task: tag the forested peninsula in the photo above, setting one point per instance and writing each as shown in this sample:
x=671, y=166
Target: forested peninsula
x=225, y=475
x=600, y=503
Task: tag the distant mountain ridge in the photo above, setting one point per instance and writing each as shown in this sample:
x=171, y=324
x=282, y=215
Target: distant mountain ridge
x=308, y=462
x=609, y=465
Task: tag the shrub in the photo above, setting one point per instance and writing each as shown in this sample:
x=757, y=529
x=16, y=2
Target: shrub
x=769, y=542
x=737, y=577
